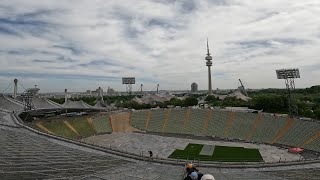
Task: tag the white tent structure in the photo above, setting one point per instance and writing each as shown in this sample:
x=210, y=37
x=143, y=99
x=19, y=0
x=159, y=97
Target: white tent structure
x=76, y=105
x=153, y=98
x=43, y=103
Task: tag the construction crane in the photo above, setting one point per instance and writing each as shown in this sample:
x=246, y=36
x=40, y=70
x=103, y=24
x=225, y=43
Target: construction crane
x=244, y=90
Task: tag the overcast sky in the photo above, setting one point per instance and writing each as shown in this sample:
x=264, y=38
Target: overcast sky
x=82, y=44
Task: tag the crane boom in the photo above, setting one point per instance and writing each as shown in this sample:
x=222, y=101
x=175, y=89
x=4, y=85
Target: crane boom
x=244, y=90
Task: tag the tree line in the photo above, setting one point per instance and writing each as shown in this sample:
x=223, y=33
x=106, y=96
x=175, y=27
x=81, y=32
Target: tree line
x=268, y=100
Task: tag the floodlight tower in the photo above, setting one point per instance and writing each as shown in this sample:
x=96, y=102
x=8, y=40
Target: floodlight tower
x=209, y=64
x=289, y=75
x=128, y=81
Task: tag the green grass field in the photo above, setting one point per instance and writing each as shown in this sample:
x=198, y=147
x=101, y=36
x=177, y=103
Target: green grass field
x=221, y=153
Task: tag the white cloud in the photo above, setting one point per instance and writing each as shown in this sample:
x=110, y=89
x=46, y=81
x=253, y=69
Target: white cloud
x=158, y=42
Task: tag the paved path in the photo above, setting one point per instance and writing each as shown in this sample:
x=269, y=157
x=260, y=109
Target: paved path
x=162, y=146
x=207, y=150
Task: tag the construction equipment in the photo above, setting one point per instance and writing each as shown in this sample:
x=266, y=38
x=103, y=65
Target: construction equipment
x=242, y=88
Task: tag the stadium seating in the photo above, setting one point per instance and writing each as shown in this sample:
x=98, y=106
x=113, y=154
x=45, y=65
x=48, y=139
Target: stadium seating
x=175, y=121
x=314, y=145
x=30, y=156
x=82, y=126
x=138, y=119
x=102, y=124
x=58, y=127
x=46, y=159
x=241, y=125
x=156, y=121
x=268, y=128
x=195, y=123
x=5, y=119
x=300, y=133
x=263, y=128
x=218, y=123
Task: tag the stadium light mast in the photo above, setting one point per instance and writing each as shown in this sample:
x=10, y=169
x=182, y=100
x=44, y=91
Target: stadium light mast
x=289, y=75
x=209, y=64
x=128, y=81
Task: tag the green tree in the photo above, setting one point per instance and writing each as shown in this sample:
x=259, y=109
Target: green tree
x=271, y=103
x=175, y=102
x=317, y=113
x=190, y=101
x=210, y=98
x=309, y=113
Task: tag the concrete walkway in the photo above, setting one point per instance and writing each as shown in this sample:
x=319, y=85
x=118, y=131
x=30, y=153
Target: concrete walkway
x=162, y=146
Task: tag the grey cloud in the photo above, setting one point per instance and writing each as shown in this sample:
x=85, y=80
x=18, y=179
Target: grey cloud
x=157, y=41
x=219, y=2
x=8, y=31
x=42, y=61
x=271, y=42
x=98, y=63
x=65, y=59
x=73, y=49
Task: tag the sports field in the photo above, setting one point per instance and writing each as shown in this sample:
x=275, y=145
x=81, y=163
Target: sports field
x=220, y=153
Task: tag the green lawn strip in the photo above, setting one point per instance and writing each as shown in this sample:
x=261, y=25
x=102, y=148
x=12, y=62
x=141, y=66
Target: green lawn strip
x=81, y=125
x=59, y=128
x=191, y=151
x=234, y=154
x=221, y=153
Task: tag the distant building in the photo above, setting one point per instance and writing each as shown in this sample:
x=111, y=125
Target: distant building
x=111, y=91
x=194, y=87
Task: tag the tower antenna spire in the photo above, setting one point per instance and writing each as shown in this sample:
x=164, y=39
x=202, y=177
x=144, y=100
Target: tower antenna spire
x=208, y=52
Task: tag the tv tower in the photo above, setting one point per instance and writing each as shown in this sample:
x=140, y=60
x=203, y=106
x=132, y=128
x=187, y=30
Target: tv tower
x=209, y=64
